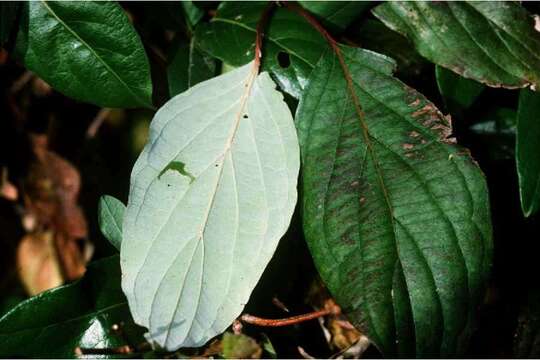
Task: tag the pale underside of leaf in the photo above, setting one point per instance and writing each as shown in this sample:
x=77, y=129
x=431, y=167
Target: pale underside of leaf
x=397, y=219
x=197, y=240
x=110, y=218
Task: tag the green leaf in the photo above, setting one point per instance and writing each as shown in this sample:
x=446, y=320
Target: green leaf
x=528, y=151
x=395, y=214
x=291, y=49
x=52, y=324
x=240, y=346
x=192, y=12
x=373, y=35
x=198, y=237
x=457, y=91
x=189, y=66
x=8, y=15
x=338, y=14
x=493, y=42
x=86, y=50
x=110, y=217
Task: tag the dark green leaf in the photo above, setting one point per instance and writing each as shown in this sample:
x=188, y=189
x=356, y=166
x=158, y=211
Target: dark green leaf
x=395, y=214
x=338, y=14
x=110, y=217
x=456, y=90
x=292, y=46
x=189, y=66
x=87, y=50
x=54, y=323
x=528, y=150
x=8, y=15
x=192, y=12
x=373, y=35
x=494, y=42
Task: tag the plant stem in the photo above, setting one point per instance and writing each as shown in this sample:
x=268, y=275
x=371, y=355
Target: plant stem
x=254, y=320
x=261, y=25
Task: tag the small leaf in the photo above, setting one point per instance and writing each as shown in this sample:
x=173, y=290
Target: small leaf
x=395, y=214
x=81, y=314
x=337, y=14
x=493, y=42
x=457, y=91
x=228, y=156
x=192, y=12
x=110, y=217
x=240, y=347
x=528, y=150
x=87, y=50
x=189, y=66
x=292, y=46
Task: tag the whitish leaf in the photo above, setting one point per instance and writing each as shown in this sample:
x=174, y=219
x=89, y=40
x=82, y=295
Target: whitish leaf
x=528, y=150
x=211, y=194
x=110, y=217
x=494, y=42
x=395, y=214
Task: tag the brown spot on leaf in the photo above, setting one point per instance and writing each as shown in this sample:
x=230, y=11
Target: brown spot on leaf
x=415, y=103
x=408, y=146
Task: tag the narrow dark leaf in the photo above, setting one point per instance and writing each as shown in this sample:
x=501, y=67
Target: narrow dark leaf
x=528, y=150
x=395, y=214
x=374, y=35
x=494, y=42
x=192, y=12
x=291, y=49
x=87, y=50
x=189, y=66
x=456, y=90
x=81, y=314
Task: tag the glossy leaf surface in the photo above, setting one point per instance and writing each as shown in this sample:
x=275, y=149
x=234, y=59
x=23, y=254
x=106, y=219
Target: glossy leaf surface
x=211, y=195
x=291, y=49
x=395, y=214
x=493, y=42
x=528, y=150
x=53, y=323
x=87, y=50
x=110, y=218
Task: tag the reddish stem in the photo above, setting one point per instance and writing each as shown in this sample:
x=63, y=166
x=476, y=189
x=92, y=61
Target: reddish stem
x=261, y=26
x=254, y=320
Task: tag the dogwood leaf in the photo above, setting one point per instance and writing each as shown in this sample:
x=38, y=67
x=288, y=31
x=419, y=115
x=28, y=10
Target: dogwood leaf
x=211, y=194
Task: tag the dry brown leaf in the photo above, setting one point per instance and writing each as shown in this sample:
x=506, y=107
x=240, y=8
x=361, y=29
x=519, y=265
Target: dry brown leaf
x=37, y=263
